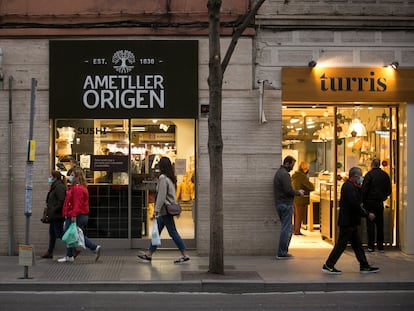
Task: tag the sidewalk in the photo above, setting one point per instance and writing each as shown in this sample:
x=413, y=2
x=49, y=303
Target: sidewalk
x=122, y=271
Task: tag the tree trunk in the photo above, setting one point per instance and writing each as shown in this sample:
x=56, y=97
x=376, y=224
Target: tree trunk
x=215, y=141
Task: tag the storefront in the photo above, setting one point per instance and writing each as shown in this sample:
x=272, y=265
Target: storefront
x=116, y=107
x=345, y=117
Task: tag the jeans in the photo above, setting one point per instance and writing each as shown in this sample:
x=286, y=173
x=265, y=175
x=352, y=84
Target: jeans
x=168, y=221
x=347, y=234
x=55, y=232
x=81, y=222
x=285, y=212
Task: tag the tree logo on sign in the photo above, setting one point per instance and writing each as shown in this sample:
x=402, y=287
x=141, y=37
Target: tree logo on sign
x=123, y=60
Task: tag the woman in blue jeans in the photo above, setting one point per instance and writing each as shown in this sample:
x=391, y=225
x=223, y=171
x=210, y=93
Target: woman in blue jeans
x=166, y=195
x=76, y=209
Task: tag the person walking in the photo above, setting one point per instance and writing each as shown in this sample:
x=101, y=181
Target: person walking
x=375, y=190
x=284, y=194
x=300, y=180
x=350, y=213
x=76, y=209
x=54, y=202
x=166, y=189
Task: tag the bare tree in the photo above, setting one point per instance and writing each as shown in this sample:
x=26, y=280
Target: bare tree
x=215, y=141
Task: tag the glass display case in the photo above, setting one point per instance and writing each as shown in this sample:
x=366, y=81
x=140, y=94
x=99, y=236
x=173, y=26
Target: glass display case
x=326, y=190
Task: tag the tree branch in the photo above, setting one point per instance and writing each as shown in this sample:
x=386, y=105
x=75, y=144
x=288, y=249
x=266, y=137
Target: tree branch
x=239, y=30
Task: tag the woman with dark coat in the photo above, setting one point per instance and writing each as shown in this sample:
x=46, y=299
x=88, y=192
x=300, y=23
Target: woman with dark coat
x=54, y=202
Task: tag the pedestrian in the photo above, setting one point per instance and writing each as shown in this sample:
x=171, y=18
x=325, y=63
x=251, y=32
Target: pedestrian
x=375, y=190
x=54, y=203
x=166, y=189
x=350, y=213
x=300, y=180
x=76, y=209
x=284, y=194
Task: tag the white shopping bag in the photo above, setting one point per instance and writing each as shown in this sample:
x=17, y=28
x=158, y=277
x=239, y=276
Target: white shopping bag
x=81, y=238
x=155, y=235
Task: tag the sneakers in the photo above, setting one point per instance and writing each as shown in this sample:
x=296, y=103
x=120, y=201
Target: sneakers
x=97, y=253
x=368, y=269
x=284, y=257
x=144, y=257
x=370, y=250
x=66, y=259
x=330, y=270
x=182, y=259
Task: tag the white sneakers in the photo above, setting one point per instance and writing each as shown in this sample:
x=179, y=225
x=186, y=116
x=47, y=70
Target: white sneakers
x=66, y=259
x=97, y=252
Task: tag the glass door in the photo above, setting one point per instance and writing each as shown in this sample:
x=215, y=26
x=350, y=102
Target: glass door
x=363, y=134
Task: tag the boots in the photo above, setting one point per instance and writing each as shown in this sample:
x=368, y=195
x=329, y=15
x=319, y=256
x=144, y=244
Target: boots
x=47, y=255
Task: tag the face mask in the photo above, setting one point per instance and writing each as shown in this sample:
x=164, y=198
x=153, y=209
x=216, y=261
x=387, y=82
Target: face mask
x=360, y=180
x=50, y=180
x=70, y=179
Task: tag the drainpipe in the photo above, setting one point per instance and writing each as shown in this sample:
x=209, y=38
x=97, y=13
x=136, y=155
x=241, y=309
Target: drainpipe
x=10, y=251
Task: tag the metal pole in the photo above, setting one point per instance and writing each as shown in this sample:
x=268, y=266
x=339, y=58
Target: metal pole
x=29, y=169
x=10, y=250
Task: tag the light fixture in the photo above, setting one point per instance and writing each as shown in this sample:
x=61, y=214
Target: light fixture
x=164, y=127
x=394, y=65
x=356, y=128
x=294, y=120
x=312, y=63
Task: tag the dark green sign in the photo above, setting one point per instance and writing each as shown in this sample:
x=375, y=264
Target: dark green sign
x=123, y=79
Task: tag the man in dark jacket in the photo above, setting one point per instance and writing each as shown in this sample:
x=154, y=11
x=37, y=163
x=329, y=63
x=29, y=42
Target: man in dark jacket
x=375, y=190
x=284, y=194
x=350, y=213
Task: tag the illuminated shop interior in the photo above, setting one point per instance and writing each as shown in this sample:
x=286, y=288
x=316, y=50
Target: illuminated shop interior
x=119, y=158
x=334, y=138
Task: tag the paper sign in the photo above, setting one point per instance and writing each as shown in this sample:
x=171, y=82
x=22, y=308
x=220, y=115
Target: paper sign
x=26, y=255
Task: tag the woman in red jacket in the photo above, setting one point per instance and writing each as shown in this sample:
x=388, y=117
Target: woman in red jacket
x=76, y=208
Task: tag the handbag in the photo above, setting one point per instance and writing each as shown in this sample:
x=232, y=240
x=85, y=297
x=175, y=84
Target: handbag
x=155, y=235
x=70, y=238
x=45, y=218
x=174, y=209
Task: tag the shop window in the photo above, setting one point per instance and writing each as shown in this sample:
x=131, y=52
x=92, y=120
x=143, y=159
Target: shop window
x=119, y=158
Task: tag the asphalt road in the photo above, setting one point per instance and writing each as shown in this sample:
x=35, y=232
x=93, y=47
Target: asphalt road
x=62, y=301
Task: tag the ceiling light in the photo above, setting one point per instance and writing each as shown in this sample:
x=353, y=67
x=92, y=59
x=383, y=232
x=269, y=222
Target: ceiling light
x=395, y=65
x=294, y=120
x=356, y=128
x=164, y=127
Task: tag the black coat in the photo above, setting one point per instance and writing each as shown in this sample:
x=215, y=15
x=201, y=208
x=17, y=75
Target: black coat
x=54, y=200
x=376, y=186
x=350, y=211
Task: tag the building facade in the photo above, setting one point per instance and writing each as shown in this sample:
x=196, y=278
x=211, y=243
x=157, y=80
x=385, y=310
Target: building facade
x=315, y=58
x=111, y=120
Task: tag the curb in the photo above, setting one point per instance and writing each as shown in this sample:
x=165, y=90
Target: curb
x=207, y=286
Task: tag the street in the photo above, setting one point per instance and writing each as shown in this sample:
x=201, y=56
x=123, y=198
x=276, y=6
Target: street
x=380, y=300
